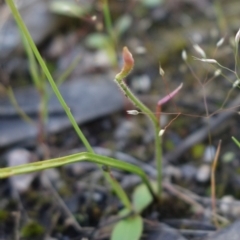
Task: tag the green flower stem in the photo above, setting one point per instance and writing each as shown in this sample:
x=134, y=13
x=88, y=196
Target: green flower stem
x=107, y=17
x=78, y=157
x=109, y=27
x=158, y=148
x=33, y=67
x=136, y=102
x=30, y=41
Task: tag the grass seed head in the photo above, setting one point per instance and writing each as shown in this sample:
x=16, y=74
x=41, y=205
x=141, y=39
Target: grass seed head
x=220, y=42
x=132, y=112
x=184, y=55
x=199, y=50
x=237, y=37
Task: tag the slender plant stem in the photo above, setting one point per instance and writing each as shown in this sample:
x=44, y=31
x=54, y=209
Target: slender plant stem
x=112, y=37
x=30, y=41
x=26, y=33
x=107, y=17
x=136, y=102
x=33, y=67
x=236, y=141
x=158, y=148
x=158, y=157
x=78, y=157
x=213, y=184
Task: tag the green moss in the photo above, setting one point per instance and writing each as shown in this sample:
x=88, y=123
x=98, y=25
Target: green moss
x=32, y=229
x=197, y=151
x=3, y=215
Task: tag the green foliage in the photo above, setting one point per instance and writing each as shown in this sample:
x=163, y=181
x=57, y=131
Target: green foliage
x=152, y=3
x=141, y=197
x=131, y=227
x=69, y=9
x=128, y=229
x=123, y=24
x=3, y=215
x=236, y=141
x=197, y=150
x=32, y=230
x=97, y=40
x=78, y=157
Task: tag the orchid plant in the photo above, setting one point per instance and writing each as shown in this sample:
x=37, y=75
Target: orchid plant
x=130, y=226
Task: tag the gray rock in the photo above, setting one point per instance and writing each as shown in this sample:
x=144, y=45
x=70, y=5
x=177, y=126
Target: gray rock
x=164, y=232
x=126, y=131
x=229, y=207
x=203, y=173
x=16, y=157
x=209, y=154
x=229, y=233
x=88, y=99
x=38, y=19
x=188, y=171
x=141, y=83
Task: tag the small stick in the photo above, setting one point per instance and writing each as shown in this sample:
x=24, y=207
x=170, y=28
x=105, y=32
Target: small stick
x=213, y=184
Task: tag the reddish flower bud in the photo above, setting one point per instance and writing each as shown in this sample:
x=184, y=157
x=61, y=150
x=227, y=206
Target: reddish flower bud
x=127, y=66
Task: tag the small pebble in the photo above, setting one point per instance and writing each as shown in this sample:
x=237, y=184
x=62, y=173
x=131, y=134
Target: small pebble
x=188, y=171
x=172, y=172
x=230, y=207
x=126, y=131
x=231, y=232
x=141, y=83
x=96, y=196
x=209, y=154
x=228, y=157
x=203, y=173
x=16, y=157
x=101, y=59
x=140, y=50
x=225, y=205
x=51, y=175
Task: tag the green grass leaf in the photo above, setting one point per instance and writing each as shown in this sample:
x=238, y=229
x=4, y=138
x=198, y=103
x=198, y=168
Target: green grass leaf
x=236, y=141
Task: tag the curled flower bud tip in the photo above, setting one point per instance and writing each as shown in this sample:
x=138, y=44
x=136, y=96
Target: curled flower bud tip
x=128, y=58
x=127, y=65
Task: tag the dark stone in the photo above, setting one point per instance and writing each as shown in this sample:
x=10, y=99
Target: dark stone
x=88, y=98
